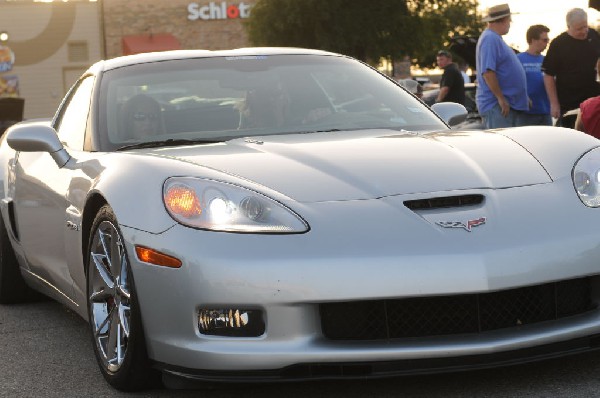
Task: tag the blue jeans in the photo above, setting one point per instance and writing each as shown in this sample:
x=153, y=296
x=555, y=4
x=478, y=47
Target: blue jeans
x=493, y=118
x=530, y=119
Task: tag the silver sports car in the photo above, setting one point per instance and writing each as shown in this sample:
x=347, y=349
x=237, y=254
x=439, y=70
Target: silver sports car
x=288, y=214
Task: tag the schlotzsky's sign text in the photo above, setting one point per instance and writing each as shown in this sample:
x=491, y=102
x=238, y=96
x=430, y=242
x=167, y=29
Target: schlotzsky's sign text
x=216, y=10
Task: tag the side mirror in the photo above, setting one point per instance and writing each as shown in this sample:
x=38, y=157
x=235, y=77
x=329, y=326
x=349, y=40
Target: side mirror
x=450, y=112
x=37, y=137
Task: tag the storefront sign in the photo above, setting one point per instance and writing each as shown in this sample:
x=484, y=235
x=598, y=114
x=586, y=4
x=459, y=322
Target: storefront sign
x=215, y=10
x=7, y=59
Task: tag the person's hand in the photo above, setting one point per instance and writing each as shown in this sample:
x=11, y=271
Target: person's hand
x=555, y=110
x=504, y=106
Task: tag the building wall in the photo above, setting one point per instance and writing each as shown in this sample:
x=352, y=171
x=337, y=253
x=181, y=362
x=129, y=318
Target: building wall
x=53, y=43
x=138, y=17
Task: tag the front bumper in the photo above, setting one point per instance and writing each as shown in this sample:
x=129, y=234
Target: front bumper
x=396, y=253
x=380, y=369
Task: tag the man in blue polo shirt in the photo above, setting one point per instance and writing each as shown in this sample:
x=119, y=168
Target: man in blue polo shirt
x=502, y=86
x=537, y=41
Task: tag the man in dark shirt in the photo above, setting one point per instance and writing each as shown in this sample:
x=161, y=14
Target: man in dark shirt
x=452, y=85
x=570, y=66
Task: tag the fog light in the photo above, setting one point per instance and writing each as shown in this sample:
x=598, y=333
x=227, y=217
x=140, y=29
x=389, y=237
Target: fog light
x=231, y=322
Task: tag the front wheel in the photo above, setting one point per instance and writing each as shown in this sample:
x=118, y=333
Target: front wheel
x=114, y=313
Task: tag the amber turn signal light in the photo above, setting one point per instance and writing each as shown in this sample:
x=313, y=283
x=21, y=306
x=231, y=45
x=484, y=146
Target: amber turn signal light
x=182, y=200
x=148, y=255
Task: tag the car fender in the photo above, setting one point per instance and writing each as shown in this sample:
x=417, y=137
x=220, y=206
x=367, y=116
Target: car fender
x=557, y=149
x=143, y=174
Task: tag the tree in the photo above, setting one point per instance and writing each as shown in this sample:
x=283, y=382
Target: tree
x=444, y=20
x=366, y=29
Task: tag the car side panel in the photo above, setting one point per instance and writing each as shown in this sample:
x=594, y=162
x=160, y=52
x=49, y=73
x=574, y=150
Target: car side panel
x=40, y=203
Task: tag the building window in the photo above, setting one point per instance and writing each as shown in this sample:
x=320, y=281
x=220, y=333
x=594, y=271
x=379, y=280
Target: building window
x=78, y=51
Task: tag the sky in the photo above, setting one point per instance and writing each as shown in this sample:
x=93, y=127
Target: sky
x=546, y=12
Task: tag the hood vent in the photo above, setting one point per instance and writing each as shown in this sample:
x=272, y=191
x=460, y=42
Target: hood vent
x=443, y=202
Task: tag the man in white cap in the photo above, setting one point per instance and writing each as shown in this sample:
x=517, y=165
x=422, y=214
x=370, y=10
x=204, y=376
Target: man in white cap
x=502, y=85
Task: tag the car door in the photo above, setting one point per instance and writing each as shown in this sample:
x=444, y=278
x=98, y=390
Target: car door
x=41, y=192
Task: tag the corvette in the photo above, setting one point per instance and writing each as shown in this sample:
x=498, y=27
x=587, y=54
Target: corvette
x=273, y=214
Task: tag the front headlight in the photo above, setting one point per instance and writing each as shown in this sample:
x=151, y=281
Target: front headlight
x=586, y=178
x=219, y=206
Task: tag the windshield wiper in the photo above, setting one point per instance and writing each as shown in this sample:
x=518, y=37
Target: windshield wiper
x=165, y=143
x=314, y=131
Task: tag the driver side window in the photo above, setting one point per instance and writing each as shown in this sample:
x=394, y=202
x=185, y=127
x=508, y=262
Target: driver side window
x=72, y=122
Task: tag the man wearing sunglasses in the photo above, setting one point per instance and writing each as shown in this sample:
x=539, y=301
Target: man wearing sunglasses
x=539, y=111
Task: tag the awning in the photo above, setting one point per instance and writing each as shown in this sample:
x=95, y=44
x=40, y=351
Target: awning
x=149, y=43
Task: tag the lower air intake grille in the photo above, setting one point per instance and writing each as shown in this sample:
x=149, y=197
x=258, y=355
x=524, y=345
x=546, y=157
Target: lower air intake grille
x=457, y=314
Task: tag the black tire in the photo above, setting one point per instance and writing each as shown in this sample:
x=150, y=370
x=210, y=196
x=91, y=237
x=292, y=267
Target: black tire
x=114, y=314
x=12, y=285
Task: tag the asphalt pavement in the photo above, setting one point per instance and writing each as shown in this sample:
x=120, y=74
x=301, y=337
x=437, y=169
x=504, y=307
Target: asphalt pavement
x=46, y=351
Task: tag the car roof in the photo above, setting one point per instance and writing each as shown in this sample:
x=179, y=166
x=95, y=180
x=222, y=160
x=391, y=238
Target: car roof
x=128, y=60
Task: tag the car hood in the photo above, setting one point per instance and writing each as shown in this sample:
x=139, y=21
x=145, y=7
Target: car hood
x=369, y=164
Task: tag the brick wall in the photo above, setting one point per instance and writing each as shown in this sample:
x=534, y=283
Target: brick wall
x=138, y=17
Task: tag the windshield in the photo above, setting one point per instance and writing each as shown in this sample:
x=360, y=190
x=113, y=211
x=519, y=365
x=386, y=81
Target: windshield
x=220, y=98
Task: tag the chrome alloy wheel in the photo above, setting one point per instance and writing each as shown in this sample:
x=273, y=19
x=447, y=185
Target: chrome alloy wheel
x=109, y=295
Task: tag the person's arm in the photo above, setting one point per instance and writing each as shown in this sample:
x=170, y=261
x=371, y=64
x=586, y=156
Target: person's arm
x=492, y=81
x=442, y=94
x=550, y=85
x=579, y=123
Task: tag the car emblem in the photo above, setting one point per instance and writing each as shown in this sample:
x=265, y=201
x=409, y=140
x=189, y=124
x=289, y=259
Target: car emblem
x=459, y=224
